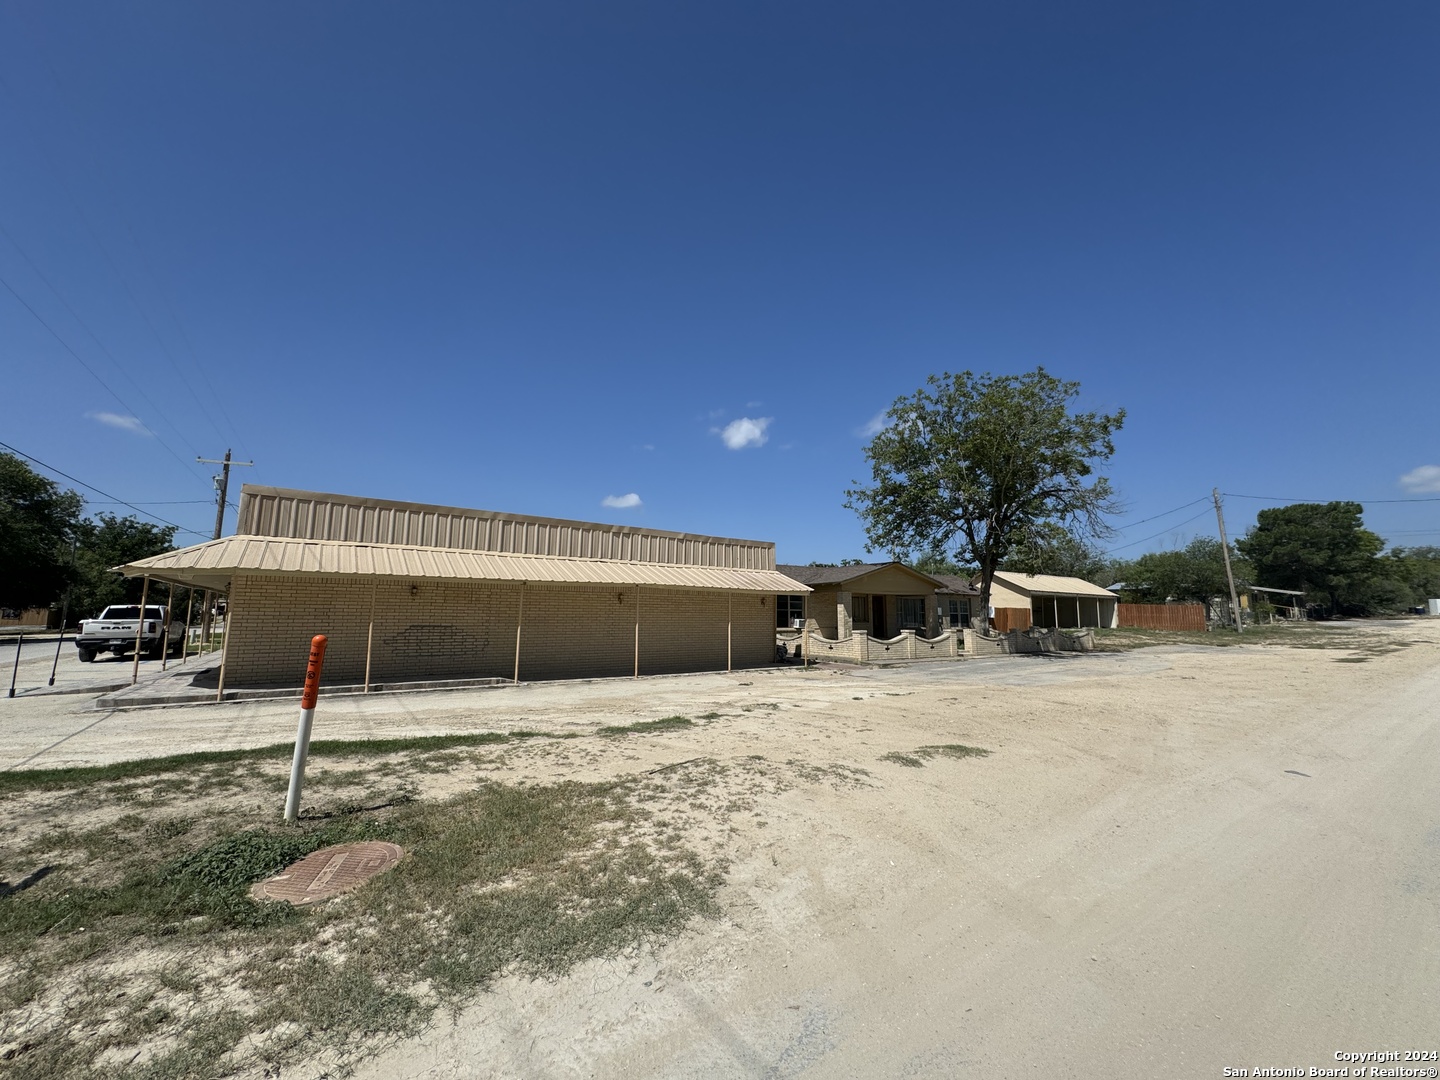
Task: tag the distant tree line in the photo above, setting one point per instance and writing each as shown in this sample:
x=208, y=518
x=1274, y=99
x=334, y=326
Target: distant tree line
x=49, y=550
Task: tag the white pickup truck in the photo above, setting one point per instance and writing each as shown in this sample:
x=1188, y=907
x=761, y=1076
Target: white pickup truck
x=114, y=631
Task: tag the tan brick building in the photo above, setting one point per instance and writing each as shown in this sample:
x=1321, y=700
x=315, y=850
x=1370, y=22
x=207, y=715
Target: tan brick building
x=410, y=591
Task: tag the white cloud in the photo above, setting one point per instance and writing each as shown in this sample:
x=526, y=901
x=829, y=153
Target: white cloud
x=131, y=424
x=621, y=502
x=738, y=434
x=1422, y=481
x=872, y=427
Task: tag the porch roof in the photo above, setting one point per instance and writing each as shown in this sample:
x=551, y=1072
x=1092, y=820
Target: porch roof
x=212, y=565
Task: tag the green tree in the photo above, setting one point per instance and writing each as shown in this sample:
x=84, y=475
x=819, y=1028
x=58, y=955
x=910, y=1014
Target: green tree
x=110, y=541
x=1194, y=573
x=1319, y=547
x=971, y=466
x=37, y=520
x=1052, y=549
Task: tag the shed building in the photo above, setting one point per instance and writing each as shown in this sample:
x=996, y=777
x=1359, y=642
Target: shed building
x=409, y=591
x=1047, y=600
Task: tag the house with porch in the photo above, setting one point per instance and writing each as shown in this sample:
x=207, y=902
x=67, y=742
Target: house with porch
x=881, y=599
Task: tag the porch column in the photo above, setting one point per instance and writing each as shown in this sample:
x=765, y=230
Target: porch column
x=637, y=631
x=1055, y=602
x=844, y=614
x=519, y=625
x=729, y=632
x=370, y=633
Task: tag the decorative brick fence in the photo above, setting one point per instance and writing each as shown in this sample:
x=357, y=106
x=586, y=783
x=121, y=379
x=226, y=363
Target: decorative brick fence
x=861, y=648
x=979, y=643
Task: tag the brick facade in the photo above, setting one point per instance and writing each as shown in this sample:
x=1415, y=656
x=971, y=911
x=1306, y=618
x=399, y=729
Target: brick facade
x=461, y=629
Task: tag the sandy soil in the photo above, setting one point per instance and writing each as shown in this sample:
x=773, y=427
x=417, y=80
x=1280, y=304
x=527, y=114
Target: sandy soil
x=1173, y=862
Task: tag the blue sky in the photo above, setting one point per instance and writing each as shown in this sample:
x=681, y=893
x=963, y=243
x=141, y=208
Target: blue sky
x=537, y=256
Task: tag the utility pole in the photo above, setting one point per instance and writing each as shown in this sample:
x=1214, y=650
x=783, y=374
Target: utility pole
x=222, y=489
x=1229, y=574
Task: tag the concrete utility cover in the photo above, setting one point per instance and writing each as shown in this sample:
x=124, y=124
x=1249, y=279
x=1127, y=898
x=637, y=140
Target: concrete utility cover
x=322, y=874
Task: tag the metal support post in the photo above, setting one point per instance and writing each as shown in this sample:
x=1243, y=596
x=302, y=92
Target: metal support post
x=308, y=698
x=139, y=626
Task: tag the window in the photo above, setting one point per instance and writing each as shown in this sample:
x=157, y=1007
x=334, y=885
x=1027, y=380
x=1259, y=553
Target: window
x=912, y=612
x=788, y=608
x=860, y=605
x=960, y=613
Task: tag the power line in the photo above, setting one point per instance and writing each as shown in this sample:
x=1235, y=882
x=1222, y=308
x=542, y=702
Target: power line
x=1270, y=498
x=94, y=236
x=1162, y=532
x=101, y=345
x=125, y=405
x=1157, y=517
x=91, y=487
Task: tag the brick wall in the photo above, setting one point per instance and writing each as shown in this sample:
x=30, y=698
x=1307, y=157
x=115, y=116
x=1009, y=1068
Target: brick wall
x=458, y=629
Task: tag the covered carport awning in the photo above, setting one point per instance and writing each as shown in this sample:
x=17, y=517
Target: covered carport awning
x=214, y=564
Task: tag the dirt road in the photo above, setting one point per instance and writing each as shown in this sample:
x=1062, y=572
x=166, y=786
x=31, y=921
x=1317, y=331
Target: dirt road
x=1172, y=863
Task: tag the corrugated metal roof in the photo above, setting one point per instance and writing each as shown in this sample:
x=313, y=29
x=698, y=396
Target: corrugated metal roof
x=1052, y=585
x=211, y=565
x=312, y=515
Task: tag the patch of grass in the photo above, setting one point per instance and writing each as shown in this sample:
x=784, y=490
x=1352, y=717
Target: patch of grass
x=647, y=727
x=532, y=879
x=1305, y=635
x=60, y=779
x=910, y=761
x=951, y=750
x=709, y=716
x=916, y=758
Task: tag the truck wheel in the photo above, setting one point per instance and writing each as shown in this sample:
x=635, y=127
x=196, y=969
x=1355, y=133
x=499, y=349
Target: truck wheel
x=156, y=651
x=87, y=656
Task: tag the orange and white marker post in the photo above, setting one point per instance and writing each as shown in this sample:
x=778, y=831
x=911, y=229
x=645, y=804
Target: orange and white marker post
x=307, y=719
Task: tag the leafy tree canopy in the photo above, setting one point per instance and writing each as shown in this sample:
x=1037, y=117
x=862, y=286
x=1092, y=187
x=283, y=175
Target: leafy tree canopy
x=972, y=466
x=1194, y=574
x=38, y=524
x=1052, y=549
x=37, y=521
x=112, y=541
x=1319, y=547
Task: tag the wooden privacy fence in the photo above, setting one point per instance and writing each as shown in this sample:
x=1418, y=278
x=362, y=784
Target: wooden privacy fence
x=1007, y=619
x=1163, y=616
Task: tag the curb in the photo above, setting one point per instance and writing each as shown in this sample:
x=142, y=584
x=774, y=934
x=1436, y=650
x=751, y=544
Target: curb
x=50, y=691
x=207, y=697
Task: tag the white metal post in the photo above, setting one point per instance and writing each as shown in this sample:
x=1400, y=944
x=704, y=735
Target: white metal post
x=139, y=626
x=519, y=625
x=302, y=733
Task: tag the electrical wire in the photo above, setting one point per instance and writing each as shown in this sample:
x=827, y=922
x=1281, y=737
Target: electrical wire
x=109, y=258
x=125, y=405
x=1157, y=517
x=101, y=345
x=1269, y=498
x=1162, y=532
x=92, y=487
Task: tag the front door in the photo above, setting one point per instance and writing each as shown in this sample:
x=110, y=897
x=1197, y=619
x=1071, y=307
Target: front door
x=879, y=622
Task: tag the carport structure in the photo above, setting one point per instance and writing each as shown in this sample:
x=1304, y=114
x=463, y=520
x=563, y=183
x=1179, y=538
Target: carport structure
x=413, y=591
x=1051, y=601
